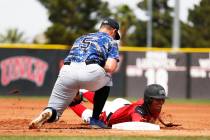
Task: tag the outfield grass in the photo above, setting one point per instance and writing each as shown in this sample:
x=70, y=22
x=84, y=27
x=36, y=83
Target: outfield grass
x=101, y=138
x=189, y=101
x=175, y=100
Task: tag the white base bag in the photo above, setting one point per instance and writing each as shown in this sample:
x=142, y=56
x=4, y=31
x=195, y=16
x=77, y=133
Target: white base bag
x=136, y=126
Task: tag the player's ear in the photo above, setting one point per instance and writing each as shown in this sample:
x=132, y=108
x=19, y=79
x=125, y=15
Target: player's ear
x=113, y=33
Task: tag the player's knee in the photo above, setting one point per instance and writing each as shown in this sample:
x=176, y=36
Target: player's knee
x=54, y=117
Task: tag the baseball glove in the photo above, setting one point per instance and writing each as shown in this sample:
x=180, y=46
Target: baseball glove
x=77, y=100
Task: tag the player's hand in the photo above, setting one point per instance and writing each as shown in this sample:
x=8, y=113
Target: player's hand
x=167, y=122
x=171, y=124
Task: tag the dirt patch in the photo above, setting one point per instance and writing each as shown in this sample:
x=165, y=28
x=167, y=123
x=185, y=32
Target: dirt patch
x=16, y=113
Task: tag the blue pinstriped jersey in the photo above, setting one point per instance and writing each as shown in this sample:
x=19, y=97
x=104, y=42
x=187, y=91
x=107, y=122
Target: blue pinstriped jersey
x=97, y=46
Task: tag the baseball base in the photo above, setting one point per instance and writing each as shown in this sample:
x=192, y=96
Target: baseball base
x=136, y=126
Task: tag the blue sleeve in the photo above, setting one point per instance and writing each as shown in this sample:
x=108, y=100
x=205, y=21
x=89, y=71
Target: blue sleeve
x=113, y=51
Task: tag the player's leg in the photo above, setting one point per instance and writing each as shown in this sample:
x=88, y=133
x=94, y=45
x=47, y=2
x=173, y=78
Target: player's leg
x=62, y=95
x=89, y=95
x=99, y=100
x=47, y=115
x=56, y=106
x=82, y=112
x=99, y=82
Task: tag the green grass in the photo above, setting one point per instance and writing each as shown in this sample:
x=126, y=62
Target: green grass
x=25, y=97
x=175, y=100
x=189, y=101
x=101, y=138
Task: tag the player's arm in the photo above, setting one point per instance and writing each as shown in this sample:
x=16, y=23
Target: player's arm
x=110, y=65
x=167, y=123
x=136, y=117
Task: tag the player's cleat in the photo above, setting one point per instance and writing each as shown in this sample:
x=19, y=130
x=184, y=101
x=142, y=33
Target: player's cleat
x=41, y=119
x=94, y=123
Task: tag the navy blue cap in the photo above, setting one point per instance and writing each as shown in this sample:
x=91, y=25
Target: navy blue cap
x=114, y=24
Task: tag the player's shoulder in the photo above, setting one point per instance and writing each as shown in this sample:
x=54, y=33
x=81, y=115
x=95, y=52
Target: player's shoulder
x=101, y=36
x=140, y=101
x=80, y=38
x=96, y=36
x=141, y=110
x=104, y=36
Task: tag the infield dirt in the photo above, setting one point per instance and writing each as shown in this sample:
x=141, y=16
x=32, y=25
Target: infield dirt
x=16, y=113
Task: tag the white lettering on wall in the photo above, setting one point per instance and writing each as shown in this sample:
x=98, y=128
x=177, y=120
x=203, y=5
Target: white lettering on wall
x=159, y=62
x=156, y=65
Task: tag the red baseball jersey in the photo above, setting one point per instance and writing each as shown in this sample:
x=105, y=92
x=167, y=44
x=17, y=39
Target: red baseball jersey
x=130, y=113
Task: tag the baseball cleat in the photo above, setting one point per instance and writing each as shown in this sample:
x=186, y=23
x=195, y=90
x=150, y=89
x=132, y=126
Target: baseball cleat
x=41, y=119
x=97, y=124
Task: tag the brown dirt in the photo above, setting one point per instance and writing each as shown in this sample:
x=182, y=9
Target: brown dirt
x=16, y=113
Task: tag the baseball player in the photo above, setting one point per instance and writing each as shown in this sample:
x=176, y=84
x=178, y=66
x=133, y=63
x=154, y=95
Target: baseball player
x=121, y=110
x=89, y=65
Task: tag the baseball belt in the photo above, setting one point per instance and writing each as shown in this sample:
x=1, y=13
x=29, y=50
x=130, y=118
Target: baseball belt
x=87, y=62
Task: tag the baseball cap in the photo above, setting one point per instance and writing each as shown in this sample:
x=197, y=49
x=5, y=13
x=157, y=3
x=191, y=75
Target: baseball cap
x=114, y=24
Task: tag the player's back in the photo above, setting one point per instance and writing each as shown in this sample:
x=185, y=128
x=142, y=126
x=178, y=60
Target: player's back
x=93, y=46
x=124, y=113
